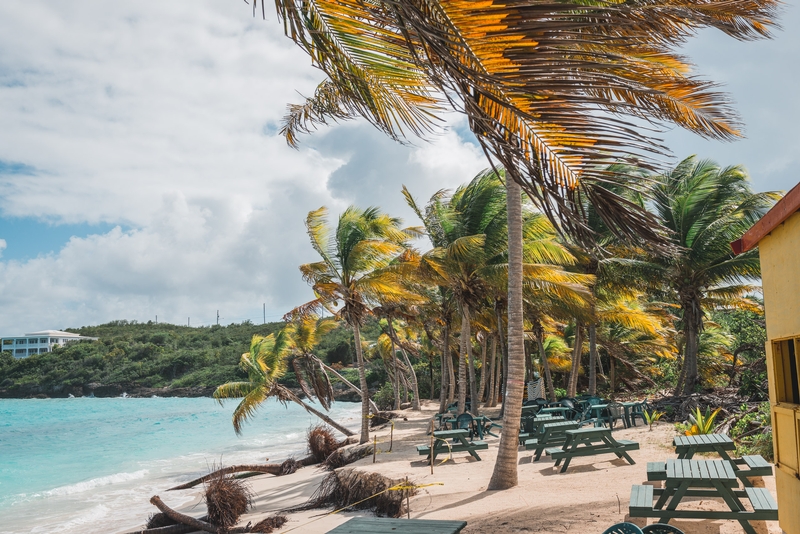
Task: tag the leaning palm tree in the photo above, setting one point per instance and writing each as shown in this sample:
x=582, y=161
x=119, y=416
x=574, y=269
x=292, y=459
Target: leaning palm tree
x=265, y=364
x=706, y=207
x=353, y=273
x=536, y=80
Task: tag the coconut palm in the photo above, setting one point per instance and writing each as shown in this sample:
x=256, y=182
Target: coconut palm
x=354, y=273
x=705, y=207
x=265, y=364
x=535, y=79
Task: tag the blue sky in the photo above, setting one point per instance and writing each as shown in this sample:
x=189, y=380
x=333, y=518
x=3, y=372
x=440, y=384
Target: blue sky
x=141, y=171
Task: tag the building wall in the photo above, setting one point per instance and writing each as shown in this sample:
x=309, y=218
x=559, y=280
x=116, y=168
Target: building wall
x=780, y=273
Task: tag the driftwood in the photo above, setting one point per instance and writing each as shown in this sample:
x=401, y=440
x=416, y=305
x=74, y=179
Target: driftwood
x=272, y=469
x=156, y=501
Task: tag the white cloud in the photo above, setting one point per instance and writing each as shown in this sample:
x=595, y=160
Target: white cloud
x=160, y=117
x=2, y=246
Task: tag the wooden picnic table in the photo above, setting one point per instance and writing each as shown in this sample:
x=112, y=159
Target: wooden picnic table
x=591, y=442
x=385, y=525
x=687, y=446
x=561, y=410
x=478, y=423
x=533, y=426
x=702, y=478
x=440, y=444
x=551, y=434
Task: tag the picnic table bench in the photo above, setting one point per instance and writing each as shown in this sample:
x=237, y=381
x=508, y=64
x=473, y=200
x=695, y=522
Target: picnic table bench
x=745, y=467
x=533, y=426
x=385, y=525
x=561, y=410
x=440, y=444
x=687, y=446
x=702, y=478
x=551, y=434
x=591, y=442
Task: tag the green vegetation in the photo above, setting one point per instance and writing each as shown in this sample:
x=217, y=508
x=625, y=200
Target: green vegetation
x=149, y=355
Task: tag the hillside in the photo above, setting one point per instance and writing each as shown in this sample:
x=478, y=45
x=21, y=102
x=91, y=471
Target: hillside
x=143, y=359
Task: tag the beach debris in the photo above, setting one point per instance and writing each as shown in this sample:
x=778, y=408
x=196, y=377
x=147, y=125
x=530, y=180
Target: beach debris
x=359, y=490
x=381, y=418
x=342, y=457
x=272, y=469
x=322, y=443
x=227, y=499
x=270, y=524
x=156, y=501
x=159, y=519
x=289, y=466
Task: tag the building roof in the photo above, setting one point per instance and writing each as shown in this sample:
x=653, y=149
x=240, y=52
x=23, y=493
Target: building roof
x=785, y=208
x=54, y=333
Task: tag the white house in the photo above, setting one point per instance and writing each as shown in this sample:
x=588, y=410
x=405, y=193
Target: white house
x=39, y=342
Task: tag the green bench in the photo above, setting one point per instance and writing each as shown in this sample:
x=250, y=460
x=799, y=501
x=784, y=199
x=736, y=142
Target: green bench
x=591, y=442
x=756, y=466
x=381, y=525
x=551, y=434
x=440, y=444
x=702, y=478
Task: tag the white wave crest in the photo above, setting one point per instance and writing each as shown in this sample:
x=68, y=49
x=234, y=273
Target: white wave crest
x=96, y=482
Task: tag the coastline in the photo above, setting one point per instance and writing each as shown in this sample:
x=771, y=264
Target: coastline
x=590, y=497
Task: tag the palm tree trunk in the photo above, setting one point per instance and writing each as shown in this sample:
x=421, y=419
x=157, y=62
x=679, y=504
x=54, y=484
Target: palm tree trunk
x=548, y=378
x=362, y=379
x=577, y=350
x=692, y=325
x=462, y=360
x=592, y=359
x=505, y=468
x=484, y=374
x=445, y=371
x=498, y=372
x=396, y=382
x=414, y=384
x=504, y=364
x=347, y=432
x=473, y=390
x=491, y=374
x=349, y=384
x=612, y=374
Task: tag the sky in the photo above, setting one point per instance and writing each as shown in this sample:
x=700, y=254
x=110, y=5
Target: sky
x=142, y=174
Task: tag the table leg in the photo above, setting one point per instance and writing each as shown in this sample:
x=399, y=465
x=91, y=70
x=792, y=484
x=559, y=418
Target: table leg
x=469, y=448
x=734, y=504
x=568, y=458
x=627, y=419
x=677, y=496
x=618, y=450
x=724, y=454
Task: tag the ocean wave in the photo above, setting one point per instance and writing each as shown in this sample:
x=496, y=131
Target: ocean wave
x=95, y=482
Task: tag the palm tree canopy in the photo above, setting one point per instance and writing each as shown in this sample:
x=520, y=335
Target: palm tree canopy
x=264, y=365
x=546, y=85
x=705, y=207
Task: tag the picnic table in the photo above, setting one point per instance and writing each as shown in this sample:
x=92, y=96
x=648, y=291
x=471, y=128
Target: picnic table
x=440, y=444
x=596, y=412
x=687, y=446
x=702, y=478
x=561, y=410
x=478, y=423
x=533, y=426
x=531, y=409
x=591, y=442
x=551, y=434
x=628, y=406
x=381, y=525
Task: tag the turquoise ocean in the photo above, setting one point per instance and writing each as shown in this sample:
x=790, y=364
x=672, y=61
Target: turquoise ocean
x=88, y=465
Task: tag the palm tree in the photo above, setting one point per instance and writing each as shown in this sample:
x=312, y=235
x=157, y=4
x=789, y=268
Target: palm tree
x=705, y=207
x=536, y=81
x=265, y=364
x=354, y=272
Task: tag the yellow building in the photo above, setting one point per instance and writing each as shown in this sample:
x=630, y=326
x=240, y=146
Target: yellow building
x=777, y=236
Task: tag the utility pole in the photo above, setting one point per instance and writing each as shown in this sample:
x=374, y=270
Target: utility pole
x=188, y=321
x=156, y=319
x=217, y=317
x=265, y=313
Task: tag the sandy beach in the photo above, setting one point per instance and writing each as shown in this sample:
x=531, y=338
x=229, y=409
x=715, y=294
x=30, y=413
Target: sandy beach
x=592, y=495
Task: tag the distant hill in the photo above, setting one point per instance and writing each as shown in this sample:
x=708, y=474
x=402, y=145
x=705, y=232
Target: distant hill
x=143, y=359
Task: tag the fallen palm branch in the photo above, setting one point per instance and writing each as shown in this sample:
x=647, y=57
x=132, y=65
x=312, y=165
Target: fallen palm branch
x=227, y=499
x=359, y=490
x=272, y=469
x=343, y=457
x=322, y=443
x=156, y=501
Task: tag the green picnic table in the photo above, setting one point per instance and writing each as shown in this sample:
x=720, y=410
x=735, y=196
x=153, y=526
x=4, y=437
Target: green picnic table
x=707, y=479
x=440, y=444
x=479, y=423
x=531, y=409
x=753, y=465
x=561, y=410
x=533, y=426
x=385, y=525
x=551, y=434
x=591, y=442
x=687, y=446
